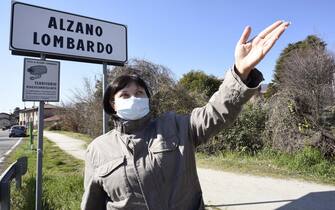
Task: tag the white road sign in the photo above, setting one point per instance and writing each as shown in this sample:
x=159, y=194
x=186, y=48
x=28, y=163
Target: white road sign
x=40, y=80
x=62, y=35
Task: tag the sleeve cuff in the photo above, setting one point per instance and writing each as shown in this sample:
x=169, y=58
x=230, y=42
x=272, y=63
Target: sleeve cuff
x=253, y=80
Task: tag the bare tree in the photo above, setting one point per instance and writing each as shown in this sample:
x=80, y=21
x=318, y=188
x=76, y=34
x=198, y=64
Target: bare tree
x=156, y=76
x=308, y=76
x=84, y=111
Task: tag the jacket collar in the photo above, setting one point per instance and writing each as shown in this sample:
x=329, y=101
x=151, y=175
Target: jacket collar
x=131, y=126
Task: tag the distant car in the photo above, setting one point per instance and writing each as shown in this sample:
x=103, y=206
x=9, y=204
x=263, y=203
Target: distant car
x=17, y=131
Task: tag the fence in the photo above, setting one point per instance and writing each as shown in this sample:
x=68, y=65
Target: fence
x=14, y=171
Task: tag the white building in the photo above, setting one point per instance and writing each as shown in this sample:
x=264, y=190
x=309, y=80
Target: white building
x=27, y=115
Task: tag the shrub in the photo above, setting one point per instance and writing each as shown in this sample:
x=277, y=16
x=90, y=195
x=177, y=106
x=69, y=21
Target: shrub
x=245, y=135
x=308, y=157
x=286, y=128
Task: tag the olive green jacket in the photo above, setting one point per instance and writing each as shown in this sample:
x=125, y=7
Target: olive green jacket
x=150, y=163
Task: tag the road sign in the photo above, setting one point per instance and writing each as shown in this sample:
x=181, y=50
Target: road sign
x=62, y=35
x=40, y=80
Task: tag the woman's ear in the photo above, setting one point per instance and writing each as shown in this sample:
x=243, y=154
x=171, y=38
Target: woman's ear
x=112, y=104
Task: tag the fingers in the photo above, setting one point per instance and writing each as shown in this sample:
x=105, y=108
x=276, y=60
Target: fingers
x=271, y=38
x=245, y=35
x=278, y=31
x=269, y=29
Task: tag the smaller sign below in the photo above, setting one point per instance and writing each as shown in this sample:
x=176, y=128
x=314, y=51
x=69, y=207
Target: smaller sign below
x=40, y=80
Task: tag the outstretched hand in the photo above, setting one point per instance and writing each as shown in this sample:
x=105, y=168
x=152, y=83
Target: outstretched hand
x=249, y=54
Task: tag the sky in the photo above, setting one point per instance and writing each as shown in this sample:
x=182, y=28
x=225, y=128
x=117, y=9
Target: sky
x=182, y=35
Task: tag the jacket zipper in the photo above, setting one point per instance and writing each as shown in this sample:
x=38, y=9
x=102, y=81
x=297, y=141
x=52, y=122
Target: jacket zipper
x=138, y=179
x=132, y=152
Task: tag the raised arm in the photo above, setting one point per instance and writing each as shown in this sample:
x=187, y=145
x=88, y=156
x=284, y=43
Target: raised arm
x=239, y=85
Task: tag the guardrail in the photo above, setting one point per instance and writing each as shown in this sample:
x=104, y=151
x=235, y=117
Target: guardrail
x=15, y=171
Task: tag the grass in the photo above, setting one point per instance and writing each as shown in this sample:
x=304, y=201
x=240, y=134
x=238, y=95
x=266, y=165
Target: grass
x=62, y=179
x=308, y=165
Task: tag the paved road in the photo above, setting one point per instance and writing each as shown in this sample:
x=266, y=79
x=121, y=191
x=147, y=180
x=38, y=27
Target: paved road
x=231, y=191
x=6, y=144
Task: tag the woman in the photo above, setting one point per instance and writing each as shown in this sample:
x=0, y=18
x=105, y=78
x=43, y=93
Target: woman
x=146, y=163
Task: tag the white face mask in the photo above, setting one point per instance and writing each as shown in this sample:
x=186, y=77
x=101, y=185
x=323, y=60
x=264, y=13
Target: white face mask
x=132, y=108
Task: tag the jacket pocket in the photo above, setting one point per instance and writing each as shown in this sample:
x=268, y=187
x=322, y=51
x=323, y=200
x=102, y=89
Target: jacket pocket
x=160, y=144
x=114, y=180
x=164, y=157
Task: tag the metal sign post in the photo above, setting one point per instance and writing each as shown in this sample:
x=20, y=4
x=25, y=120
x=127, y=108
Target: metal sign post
x=104, y=85
x=38, y=201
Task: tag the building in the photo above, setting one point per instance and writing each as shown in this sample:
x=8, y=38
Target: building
x=27, y=115
x=5, y=120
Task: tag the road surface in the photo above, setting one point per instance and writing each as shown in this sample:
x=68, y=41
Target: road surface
x=6, y=146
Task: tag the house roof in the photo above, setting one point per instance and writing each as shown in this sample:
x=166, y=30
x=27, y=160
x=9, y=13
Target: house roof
x=53, y=118
x=4, y=115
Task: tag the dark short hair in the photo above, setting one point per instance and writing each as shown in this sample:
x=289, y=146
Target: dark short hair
x=118, y=84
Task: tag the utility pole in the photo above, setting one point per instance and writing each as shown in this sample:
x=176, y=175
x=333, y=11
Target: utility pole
x=104, y=85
